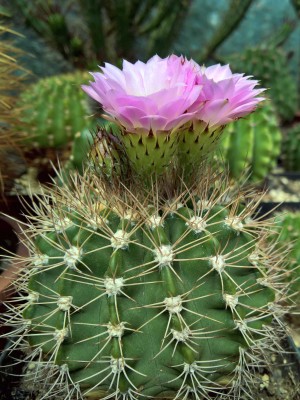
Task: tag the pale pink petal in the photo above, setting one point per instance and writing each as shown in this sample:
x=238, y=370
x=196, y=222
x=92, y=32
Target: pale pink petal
x=154, y=122
x=163, y=94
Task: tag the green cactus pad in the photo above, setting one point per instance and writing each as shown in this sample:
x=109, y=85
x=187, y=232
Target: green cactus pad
x=129, y=298
x=253, y=143
x=291, y=149
x=270, y=66
x=53, y=110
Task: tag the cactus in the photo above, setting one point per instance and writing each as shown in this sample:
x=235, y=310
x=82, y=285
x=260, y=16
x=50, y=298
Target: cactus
x=252, y=143
x=142, y=284
x=53, y=110
x=269, y=64
x=291, y=150
x=127, y=296
x=288, y=226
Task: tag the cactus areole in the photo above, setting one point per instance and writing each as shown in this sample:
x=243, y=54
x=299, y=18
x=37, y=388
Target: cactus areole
x=168, y=294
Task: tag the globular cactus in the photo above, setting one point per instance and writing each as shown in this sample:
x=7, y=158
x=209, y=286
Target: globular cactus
x=151, y=285
x=269, y=65
x=125, y=296
x=288, y=226
x=53, y=110
x=291, y=150
x=253, y=143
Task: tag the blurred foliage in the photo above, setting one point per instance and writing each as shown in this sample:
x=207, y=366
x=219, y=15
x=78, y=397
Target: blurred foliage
x=12, y=81
x=88, y=31
x=296, y=4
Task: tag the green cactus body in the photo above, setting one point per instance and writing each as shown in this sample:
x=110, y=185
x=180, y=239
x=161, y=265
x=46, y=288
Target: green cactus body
x=269, y=65
x=53, y=110
x=127, y=299
x=253, y=143
x=291, y=149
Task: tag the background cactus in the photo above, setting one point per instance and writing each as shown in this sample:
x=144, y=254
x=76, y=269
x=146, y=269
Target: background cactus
x=269, y=65
x=291, y=150
x=126, y=295
x=53, y=110
x=288, y=226
x=253, y=143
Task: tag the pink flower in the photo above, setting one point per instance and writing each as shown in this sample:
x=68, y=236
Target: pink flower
x=162, y=95
x=225, y=96
x=156, y=95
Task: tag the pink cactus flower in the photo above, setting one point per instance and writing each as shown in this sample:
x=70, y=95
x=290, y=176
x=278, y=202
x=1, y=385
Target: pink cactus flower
x=225, y=96
x=155, y=95
x=162, y=95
